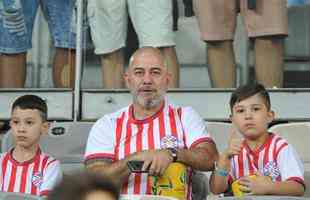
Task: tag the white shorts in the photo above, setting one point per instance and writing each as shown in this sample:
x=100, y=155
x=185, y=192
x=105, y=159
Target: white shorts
x=152, y=20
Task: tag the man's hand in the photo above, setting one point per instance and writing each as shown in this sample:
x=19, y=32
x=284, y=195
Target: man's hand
x=258, y=185
x=156, y=161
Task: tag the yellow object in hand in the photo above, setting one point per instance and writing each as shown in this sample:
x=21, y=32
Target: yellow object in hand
x=236, y=187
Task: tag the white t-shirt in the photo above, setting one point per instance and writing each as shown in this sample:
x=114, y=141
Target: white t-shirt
x=118, y=135
x=275, y=158
x=37, y=176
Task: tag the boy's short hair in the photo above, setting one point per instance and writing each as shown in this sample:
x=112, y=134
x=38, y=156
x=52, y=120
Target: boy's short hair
x=31, y=102
x=77, y=186
x=248, y=90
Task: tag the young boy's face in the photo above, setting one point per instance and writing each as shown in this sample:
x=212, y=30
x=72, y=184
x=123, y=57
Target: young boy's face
x=251, y=116
x=27, y=127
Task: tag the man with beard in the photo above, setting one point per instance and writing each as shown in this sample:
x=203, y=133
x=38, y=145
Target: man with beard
x=151, y=130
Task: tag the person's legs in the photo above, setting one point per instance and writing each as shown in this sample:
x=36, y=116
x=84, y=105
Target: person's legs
x=157, y=32
x=113, y=69
x=269, y=61
x=64, y=68
x=12, y=70
x=218, y=32
x=108, y=23
x=59, y=17
x=173, y=65
x=267, y=25
x=15, y=29
x=221, y=64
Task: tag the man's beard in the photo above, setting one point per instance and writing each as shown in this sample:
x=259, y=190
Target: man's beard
x=151, y=102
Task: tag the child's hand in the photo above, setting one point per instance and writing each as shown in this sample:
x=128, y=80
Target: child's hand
x=234, y=144
x=259, y=185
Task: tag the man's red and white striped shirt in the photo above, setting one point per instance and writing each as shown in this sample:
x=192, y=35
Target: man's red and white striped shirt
x=36, y=176
x=119, y=134
x=275, y=158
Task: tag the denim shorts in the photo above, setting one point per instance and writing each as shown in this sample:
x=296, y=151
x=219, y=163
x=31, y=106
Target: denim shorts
x=17, y=18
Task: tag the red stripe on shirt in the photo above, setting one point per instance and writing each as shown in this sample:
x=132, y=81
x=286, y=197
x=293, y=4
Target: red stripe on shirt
x=137, y=183
x=119, y=127
x=44, y=162
x=12, y=179
x=279, y=149
x=274, y=150
x=240, y=164
x=161, y=125
x=267, y=149
x=35, y=170
x=4, y=166
x=44, y=193
x=172, y=122
x=128, y=139
x=150, y=136
x=251, y=168
x=24, y=179
x=137, y=179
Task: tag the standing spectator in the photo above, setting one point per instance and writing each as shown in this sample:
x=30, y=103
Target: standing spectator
x=16, y=24
x=151, y=130
x=152, y=21
x=266, y=25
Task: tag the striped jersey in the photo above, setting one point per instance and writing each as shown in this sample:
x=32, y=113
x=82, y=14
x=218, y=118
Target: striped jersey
x=119, y=134
x=275, y=158
x=36, y=176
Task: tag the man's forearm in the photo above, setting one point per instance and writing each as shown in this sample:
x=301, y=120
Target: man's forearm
x=201, y=157
x=118, y=169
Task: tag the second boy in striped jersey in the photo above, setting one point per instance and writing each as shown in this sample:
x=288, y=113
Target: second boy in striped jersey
x=147, y=128
x=278, y=168
x=25, y=169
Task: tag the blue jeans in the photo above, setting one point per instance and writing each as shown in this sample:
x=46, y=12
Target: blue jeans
x=17, y=19
x=295, y=2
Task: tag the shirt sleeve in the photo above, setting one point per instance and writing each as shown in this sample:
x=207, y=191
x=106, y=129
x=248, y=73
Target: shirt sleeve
x=194, y=127
x=290, y=165
x=100, y=143
x=52, y=176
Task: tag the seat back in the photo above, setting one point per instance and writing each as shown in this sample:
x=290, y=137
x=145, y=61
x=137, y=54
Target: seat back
x=298, y=135
x=219, y=131
x=65, y=141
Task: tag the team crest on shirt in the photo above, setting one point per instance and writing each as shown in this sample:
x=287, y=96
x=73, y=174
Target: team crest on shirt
x=37, y=179
x=169, y=141
x=271, y=170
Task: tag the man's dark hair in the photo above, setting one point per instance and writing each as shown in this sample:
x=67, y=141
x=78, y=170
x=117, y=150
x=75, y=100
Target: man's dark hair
x=31, y=102
x=248, y=90
x=78, y=186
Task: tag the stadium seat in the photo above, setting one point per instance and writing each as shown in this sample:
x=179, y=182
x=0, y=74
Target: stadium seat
x=298, y=135
x=219, y=131
x=66, y=141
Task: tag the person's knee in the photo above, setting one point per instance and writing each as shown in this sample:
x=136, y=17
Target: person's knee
x=219, y=43
x=271, y=38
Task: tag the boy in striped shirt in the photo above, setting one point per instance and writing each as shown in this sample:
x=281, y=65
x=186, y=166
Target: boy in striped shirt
x=25, y=169
x=277, y=168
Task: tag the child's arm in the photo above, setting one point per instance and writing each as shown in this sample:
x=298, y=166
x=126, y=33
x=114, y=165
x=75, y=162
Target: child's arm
x=263, y=185
x=219, y=177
